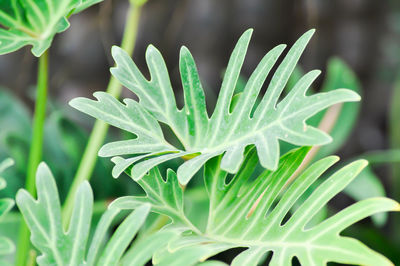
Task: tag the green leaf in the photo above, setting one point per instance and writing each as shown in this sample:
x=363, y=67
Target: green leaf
x=224, y=132
x=340, y=119
x=6, y=245
x=28, y=22
x=43, y=217
x=368, y=185
x=165, y=197
x=142, y=249
x=257, y=214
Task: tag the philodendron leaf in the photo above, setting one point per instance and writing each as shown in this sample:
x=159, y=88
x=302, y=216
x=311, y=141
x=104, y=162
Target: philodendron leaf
x=43, y=217
x=165, y=197
x=258, y=214
x=226, y=131
x=6, y=245
x=35, y=22
x=365, y=186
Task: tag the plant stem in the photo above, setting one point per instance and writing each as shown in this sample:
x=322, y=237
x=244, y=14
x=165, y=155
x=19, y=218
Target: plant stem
x=35, y=152
x=100, y=128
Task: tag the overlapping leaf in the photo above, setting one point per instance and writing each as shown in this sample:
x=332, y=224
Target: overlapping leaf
x=226, y=131
x=57, y=247
x=165, y=197
x=6, y=245
x=258, y=215
x=28, y=22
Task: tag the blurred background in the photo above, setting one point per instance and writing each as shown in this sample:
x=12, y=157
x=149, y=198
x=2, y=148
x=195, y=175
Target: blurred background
x=365, y=34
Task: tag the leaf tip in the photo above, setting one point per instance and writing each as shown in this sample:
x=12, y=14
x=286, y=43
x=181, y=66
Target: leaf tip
x=306, y=36
x=184, y=50
x=4, y=165
x=21, y=196
x=183, y=178
x=361, y=164
x=37, y=52
x=85, y=186
x=310, y=32
x=43, y=174
x=115, y=51
x=247, y=34
x=184, y=53
x=74, y=102
x=151, y=49
x=249, y=31
x=102, y=153
x=353, y=96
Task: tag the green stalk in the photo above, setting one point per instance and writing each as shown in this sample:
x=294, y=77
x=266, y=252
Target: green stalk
x=35, y=152
x=100, y=128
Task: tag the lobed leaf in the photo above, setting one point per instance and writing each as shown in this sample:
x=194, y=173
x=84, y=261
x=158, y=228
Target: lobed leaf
x=229, y=130
x=165, y=197
x=57, y=247
x=259, y=215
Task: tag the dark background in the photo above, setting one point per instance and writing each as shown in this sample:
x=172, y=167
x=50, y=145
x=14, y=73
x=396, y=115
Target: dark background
x=364, y=33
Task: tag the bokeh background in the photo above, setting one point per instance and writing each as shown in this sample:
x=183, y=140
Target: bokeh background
x=363, y=33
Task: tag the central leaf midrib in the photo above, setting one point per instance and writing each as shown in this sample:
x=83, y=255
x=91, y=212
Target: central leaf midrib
x=271, y=244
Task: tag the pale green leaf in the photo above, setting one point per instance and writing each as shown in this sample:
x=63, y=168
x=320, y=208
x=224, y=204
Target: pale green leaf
x=35, y=22
x=227, y=131
x=258, y=214
x=165, y=197
x=43, y=217
x=142, y=249
x=368, y=185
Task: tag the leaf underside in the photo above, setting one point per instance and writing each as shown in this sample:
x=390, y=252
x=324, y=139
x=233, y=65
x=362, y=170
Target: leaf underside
x=228, y=131
x=27, y=22
x=258, y=215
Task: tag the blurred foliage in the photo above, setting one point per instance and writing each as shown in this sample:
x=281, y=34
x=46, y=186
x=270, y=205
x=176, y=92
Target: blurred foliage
x=6, y=245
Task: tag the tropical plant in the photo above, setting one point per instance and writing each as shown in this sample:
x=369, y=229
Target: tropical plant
x=35, y=23
x=57, y=247
x=258, y=214
x=267, y=212
x=229, y=130
x=263, y=206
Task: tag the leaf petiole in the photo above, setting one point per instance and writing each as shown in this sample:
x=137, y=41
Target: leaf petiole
x=35, y=154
